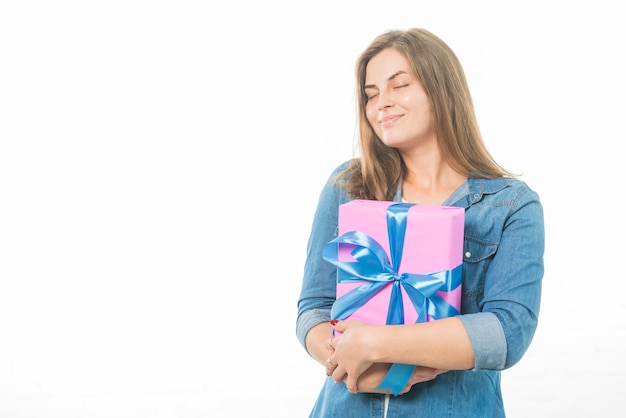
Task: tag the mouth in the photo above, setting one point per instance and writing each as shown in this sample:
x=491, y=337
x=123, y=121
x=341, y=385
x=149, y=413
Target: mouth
x=388, y=120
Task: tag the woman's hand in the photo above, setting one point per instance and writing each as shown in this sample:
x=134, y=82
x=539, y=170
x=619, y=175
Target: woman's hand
x=351, y=355
x=423, y=374
x=350, y=361
x=369, y=381
x=371, y=378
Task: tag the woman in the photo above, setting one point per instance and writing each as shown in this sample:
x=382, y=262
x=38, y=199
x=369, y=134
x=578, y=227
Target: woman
x=420, y=143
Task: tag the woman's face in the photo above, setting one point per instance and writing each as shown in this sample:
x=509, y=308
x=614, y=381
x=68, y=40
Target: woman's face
x=398, y=108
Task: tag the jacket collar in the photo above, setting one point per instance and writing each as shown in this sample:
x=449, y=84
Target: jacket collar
x=477, y=189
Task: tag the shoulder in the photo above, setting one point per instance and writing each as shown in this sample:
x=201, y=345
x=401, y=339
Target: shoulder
x=343, y=166
x=333, y=193
x=342, y=173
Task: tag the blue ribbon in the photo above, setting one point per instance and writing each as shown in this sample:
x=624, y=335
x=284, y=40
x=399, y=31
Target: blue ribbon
x=375, y=270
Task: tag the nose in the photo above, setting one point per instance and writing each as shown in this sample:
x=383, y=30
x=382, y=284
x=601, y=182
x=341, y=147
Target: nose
x=384, y=101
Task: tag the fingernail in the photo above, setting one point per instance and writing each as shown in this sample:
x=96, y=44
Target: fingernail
x=333, y=322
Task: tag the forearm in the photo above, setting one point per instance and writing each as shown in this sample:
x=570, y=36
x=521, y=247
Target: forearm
x=440, y=344
x=316, y=340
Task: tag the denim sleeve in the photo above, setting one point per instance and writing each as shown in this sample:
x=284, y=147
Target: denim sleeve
x=318, y=290
x=488, y=340
x=309, y=319
x=503, y=329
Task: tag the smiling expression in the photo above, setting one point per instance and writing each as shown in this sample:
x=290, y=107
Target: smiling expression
x=398, y=108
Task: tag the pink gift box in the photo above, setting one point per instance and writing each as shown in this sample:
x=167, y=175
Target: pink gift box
x=433, y=243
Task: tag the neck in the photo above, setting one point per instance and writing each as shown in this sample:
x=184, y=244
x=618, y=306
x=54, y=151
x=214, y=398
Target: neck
x=429, y=180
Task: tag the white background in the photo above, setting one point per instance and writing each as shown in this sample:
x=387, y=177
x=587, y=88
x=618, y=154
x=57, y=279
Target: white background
x=160, y=162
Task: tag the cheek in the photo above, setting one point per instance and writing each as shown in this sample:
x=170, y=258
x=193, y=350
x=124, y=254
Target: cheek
x=371, y=113
x=407, y=101
x=417, y=102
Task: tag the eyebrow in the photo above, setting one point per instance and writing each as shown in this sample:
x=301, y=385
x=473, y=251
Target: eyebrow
x=373, y=86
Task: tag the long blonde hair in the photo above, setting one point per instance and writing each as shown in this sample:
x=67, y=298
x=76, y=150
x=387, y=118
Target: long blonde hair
x=375, y=175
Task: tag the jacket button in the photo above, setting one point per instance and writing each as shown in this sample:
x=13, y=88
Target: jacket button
x=468, y=254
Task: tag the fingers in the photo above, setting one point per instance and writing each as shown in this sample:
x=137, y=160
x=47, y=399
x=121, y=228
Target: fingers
x=330, y=367
x=329, y=344
x=424, y=374
x=339, y=374
x=330, y=364
x=351, y=385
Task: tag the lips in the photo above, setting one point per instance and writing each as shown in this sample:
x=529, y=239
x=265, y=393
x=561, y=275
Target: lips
x=389, y=119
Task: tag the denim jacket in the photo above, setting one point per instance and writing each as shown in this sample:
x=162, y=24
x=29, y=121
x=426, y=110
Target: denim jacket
x=502, y=275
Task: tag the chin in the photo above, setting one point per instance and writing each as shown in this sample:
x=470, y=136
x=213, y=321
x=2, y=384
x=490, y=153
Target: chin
x=391, y=142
